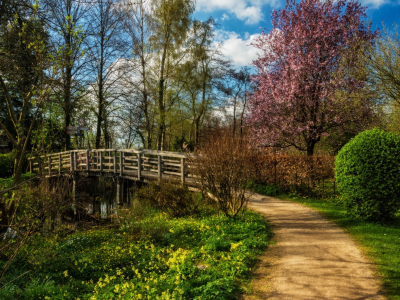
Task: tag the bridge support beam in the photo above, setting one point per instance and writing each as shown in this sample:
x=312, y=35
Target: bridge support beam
x=74, y=183
x=120, y=191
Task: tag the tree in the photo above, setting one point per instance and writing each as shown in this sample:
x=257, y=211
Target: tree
x=306, y=83
x=236, y=86
x=385, y=64
x=66, y=18
x=171, y=24
x=137, y=22
x=24, y=75
x=106, y=47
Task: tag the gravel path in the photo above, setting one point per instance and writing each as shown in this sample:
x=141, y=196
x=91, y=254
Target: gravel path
x=312, y=259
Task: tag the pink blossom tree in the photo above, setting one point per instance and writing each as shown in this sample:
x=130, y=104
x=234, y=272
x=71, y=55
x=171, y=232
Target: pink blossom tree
x=308, y=74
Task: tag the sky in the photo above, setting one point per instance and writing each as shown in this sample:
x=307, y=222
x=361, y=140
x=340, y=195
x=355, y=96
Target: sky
x=241, y=21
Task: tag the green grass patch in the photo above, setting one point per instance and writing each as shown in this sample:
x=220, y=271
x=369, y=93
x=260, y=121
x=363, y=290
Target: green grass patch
x=202, y=257
x=380, y=242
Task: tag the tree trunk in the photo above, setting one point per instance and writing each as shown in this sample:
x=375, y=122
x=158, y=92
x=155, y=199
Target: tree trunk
x=161, y=108
x=68, y=105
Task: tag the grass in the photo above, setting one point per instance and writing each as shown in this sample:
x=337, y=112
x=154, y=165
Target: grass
x=201, y=257
x=380, y=242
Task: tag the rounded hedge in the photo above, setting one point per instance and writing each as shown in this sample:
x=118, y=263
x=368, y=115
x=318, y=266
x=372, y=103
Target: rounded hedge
x=367, y=171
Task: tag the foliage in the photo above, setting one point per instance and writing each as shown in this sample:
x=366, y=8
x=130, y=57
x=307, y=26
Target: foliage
x=171, y=197
x=368, y=174
x=380, y=241
x=265, y=189
x=310, y=73
x=6, y=183
x=6, y=164
x=300, y=173
x=28, y=211
x=384, y=63
x=222, y=171
x=206, y=257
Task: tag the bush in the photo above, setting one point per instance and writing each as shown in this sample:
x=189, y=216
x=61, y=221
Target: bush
x=6, y=164
x=268, y=189
x=368, y=175
x=170, y=197
x=222, y=171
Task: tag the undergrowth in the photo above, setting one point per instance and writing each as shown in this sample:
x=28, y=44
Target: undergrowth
x=205, y=256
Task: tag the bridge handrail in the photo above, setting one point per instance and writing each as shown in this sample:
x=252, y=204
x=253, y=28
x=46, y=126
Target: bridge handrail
x=116, y=162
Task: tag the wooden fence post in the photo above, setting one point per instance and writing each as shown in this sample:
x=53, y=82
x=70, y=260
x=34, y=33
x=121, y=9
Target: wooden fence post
x=71, y=159
x=101, y=161
x=159, y=168
x=115, y=161
x=59, y=164
x=74, y=181
x=121, y=163
x=183, y=170
x=119, y=191
x=75, y=161
x=49, y=165
x=87, y=160
x=139, y=170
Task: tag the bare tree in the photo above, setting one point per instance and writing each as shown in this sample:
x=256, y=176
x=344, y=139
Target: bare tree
x=68, y=26
x=105, y=51
x=137, y=23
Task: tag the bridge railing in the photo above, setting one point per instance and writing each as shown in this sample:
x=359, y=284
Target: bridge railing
x=141, y=164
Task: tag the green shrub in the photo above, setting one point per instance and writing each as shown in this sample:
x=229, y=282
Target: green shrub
x=265, y=189
x=6, y=164
x=171, y=197
x=368, y=175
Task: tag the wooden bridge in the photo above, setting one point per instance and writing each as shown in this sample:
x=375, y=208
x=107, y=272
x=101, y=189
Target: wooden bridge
x=141, y=165
x=130, y=164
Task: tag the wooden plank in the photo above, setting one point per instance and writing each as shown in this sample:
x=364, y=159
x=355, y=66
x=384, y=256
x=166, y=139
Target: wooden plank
x=172, y=173
x=174, y=165
x=130, y=167
x=129, y=159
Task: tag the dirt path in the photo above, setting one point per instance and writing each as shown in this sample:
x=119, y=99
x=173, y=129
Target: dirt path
x=312, y=258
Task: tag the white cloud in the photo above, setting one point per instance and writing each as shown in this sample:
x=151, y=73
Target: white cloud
x=239, y=50
x=225, y=17
x=248, y=10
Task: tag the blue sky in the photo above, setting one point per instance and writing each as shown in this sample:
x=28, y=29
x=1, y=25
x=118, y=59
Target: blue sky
x=240, y=21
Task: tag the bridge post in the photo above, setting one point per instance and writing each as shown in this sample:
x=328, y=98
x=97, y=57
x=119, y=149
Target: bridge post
x=74, y=182
x=121, y=163
x=115, y=161
x=139, y=163
x=87, y=160
x=71, y=159
x=183, y=170
x=49, y=165
x=159, y=168
x=119, y=191
x=59, y=164
x=101, y=161
x=75, y=161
